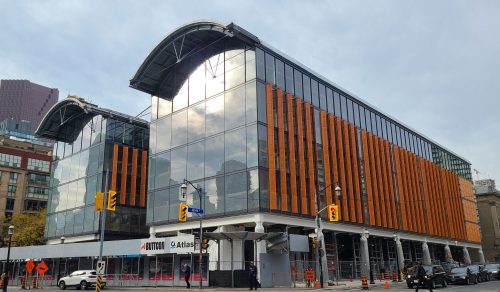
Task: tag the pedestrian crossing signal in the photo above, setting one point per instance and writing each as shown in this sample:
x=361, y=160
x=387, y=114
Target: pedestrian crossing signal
x=183, y=209
x=99, y=201
x=111, y=200
x=333, y=213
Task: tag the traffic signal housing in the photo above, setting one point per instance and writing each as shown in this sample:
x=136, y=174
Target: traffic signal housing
x=99, y=201
x=205, y=243
x=314, y=242
x=111, y=200
x=333, y=213
x=183, y=209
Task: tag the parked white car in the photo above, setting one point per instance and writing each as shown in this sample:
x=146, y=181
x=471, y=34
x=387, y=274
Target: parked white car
x=80, y=279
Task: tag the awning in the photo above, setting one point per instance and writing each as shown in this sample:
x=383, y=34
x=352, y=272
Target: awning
x=242, y=235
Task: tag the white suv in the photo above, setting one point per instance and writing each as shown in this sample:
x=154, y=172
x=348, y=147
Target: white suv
x=80, y=279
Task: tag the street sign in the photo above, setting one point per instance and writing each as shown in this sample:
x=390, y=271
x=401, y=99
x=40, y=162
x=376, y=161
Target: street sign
x=195, y=210
x=101, y=267
x=41, y=268
x=30, y=265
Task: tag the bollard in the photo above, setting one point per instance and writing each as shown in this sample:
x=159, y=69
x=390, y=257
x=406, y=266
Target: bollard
x=364, y=283
x=316, y=284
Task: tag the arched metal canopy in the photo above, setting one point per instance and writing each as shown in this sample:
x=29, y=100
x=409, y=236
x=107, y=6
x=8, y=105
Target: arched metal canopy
x=66, y=119
x=195, y=40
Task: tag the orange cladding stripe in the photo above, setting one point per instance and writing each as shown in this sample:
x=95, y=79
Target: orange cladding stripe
x=432, y=197
x=133, y=179
x=334, y=157
x=144, y=179
x=302, y=164
x=273, y=204
x=357, y=174
x=281, y=146
x=427, y=211
x=385, y=177
x=343, y=181
x=380, y=183
x=291, y=147
x=392, y=192
x=437, y=200
x=310, y=158
x=401, y=190
x=123, y=188
x=326, y=156
x=368, y=177
x=422, y=195
x=408, y=195
x=350, y=187
x=114, y=167
x=418, y=193
x=373, y=171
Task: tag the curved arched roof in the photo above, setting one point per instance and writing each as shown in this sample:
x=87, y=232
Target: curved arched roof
x=155, y=74
x=66, y=119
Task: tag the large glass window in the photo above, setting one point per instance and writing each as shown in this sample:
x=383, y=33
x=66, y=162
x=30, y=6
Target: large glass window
x=161, y=205
x=350, y=116
x=262, y=144
x=343, y=102
x=251, y=102
x=297, y=77
x=196, y=122
x=289, y=79
x=314, y=92
x=178, y=171
x=269, y=68
x=329, y=98
x=163, y=132
x=214, y=156
x=261, y=103
x=215, y=74
x=253, y=189
x=234, y=106
x=280, y=74
x=214, y=195
x=152, y=138
x=307, y=89
x=215, y=115
x=236, y=192
x=235, y=68
x=252, y=146
x=164, y=107
x=162, y=167
x=322, y=97
x=179, y=128
x=250, y=65
x=260, y=64
x=196, y=161
x=336, y=103
x=197, y=85
x=235, y=147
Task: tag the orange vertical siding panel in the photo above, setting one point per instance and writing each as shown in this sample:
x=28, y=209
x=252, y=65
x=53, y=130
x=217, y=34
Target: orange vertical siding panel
x=123, y=187
x=133, y=177
x=392, y=191
x=326, y=156
x=420, y=187
x=273, y=204
x=385, y=177
x=414, y=196
x=459, y=215
x=418, y=192
x=291, y=147
x=310, y=158
x=357, y=174
x=430, y=188
x=342, y=174
x=401, y=188
x=449, y=202
x=380, y=182
x=449, y=220
x=114, y=167
x=427, y=211
x=440, y=196
x=350, y=186
x=368, y=177
x=302, y=163
x=373, y=170
x=410, y=208
x=144, y=179
x=334, y=158
x=437, y=201
x=282, y=152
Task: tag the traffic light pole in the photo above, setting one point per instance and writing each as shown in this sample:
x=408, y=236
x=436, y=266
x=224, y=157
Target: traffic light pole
x=103, y=215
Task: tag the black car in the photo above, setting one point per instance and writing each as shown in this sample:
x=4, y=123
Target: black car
x=482, y=274
x=493, y=270
x=462, y=275
x=435, y=275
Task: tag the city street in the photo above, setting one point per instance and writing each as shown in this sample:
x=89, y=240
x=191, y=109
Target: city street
x=491, y=286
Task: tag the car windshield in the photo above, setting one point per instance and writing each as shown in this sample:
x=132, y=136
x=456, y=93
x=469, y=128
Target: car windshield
x=492, y=266
x=474, y=268
x=93, y=273
x=459, y=270
x=428, y=269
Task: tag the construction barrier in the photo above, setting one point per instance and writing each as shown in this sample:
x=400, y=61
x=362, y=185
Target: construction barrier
x=1, y=283
x=394, y=276
x=386, y=275
x=382, y=277
x=35, y=283
x=364, y=283
x=23, y=282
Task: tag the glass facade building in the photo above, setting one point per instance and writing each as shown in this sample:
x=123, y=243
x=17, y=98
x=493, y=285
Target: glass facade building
x=101, y=140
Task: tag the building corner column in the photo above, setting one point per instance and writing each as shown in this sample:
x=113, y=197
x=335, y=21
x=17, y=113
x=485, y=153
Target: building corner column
x=481, y=256
x=364, y=254
x=261, y=247
x=426, y=260
x=466, y=255
x=400, y=254
x=447, y=254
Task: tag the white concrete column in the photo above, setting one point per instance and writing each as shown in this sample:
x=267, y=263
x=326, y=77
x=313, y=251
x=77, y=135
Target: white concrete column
x=261, y=247
x=466, y=256
x=364, y=255
x=447, y=254
x=481, y=256
x=399, y=251
x=324, y=264
x=426, y=260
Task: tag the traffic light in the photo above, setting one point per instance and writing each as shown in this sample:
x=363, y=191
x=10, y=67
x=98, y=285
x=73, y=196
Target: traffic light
x=111, y=200
x=183, y=212
x=314, y=242
x=333, y=213
x=99, y=201
x=205, y=244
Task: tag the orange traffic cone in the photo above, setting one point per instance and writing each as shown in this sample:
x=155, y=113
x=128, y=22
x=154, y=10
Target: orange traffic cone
x=316, y=284
x=386, y=285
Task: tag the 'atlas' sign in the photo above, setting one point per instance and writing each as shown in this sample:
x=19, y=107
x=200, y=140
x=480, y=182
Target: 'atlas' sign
x=177, y=244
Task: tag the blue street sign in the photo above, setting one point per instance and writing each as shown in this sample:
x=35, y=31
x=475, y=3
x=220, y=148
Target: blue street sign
x=195, y=210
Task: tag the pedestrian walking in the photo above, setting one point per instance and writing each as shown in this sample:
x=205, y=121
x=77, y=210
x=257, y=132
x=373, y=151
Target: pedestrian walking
x=252, y=275
x=187, y=274
x=421, y=273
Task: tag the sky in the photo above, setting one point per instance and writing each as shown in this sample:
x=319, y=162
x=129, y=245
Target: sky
x=433, y=65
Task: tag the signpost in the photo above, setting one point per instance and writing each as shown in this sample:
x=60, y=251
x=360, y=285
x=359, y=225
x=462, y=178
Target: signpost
x=101, y=267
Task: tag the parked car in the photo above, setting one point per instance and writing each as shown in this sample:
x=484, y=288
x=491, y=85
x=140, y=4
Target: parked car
x=493, y=270
x=435, y=275
x=462, y=275
x=80, y=279
x=482, y=274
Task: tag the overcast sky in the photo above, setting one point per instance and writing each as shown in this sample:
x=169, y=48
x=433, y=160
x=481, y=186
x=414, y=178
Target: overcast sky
x=433, y=65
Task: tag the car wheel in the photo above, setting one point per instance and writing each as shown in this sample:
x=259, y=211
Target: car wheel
x=445, y=284
x=433, y=284
x=410, y=286
x=468, y=281
x=83, y=285
x=62, y=285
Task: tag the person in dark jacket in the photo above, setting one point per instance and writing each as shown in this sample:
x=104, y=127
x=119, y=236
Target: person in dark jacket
x=187, y=274
x=421, y=273
x=252, y=275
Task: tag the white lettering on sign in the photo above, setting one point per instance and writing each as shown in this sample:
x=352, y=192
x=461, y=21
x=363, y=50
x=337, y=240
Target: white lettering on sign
x=177, y=244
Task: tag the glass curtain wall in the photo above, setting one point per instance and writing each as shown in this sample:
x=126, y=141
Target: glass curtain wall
x=207, y=134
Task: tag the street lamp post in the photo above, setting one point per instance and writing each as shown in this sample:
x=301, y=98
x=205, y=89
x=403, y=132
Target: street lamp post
x=10, y=233
x=184, y=194
x=396, y=239
x=319, y=231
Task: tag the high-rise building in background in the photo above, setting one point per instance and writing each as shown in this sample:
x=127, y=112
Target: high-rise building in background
x=25, y=100
x=488, y=204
